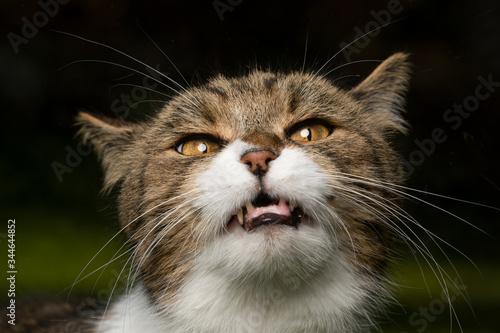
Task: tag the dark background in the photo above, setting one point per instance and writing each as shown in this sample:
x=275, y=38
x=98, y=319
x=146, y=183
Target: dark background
x=62, y=221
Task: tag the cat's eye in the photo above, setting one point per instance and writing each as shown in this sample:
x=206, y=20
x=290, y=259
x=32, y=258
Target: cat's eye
x=197, y=147
x=310, y=132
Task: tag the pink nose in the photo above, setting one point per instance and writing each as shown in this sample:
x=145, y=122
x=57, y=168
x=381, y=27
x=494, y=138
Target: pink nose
x=258, y=161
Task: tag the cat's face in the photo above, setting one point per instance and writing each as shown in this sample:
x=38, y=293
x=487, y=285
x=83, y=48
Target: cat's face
x=261, y=178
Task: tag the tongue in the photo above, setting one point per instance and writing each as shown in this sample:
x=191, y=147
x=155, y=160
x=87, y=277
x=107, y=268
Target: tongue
x=281, y=209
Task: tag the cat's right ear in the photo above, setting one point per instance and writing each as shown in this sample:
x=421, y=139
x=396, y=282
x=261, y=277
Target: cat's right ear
x=111, y=140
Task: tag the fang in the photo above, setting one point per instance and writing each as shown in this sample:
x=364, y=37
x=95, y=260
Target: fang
x=240, y=216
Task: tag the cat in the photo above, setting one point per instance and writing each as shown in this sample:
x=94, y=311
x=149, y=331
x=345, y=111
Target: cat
x=259, y=203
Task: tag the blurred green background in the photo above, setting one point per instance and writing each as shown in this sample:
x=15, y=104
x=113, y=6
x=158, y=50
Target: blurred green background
x=62, y=221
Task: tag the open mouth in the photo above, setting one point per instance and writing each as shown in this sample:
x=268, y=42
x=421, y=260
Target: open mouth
x=265, y=210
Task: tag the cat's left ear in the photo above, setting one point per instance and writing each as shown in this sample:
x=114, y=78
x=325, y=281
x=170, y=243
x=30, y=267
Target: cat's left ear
x=383, y=92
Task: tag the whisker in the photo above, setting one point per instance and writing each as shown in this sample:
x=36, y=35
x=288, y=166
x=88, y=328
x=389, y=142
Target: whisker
x=432, y=235
x=441, y=271
x=119, y=233
x=139, y=86
x=130, y=262
x=305, y=48
x=132, y=70
x=111, y=294
x=164, y=54
x=350, y=63
x=128, y=56
x=346, y=46
x=168, y=227
x=147, y=101
x=421, y=191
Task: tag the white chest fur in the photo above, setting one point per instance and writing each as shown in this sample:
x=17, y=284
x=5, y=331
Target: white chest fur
x=331, y=303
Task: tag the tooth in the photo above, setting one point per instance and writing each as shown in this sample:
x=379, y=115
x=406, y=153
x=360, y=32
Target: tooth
x=249, y=206
x=291, y=207
x=240, y=216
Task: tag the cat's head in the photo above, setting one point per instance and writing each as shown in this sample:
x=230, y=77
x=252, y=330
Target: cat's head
x=259, y=178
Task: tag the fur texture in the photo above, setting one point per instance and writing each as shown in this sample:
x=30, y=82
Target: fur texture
x=317, y=267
